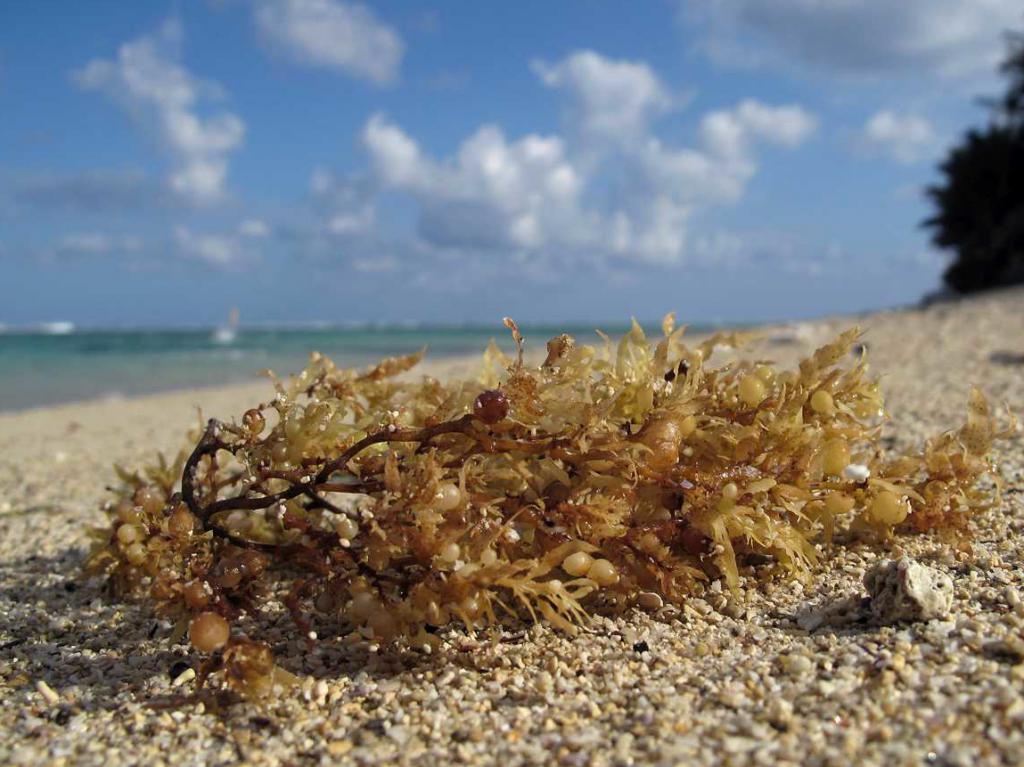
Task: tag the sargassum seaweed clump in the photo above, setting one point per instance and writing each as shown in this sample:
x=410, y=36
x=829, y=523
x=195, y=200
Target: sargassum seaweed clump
x=598, y=478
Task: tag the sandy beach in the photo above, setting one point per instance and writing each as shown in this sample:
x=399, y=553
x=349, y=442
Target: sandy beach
x=83, y=676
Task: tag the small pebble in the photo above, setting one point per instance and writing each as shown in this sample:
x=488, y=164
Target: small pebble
x=48, y=693
x=185, y=676
x=797, y=665
x=905, y=590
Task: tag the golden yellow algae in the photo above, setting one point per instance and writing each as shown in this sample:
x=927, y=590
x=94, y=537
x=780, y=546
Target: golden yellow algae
x=604, y=477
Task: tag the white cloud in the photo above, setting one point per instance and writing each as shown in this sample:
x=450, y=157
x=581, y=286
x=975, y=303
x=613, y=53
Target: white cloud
x=729, y=137
x=332, y=34
x=787, y=126
x=338, y=226
x=493, y=193
x=254, y=228
x=148, y=80
x=670, y=184
x=396, y=157
x=609, y=99
x=351, y=223
x=905, y=138
x=346, y=205
x=951, y=38
x=583, y=196
x=219, y=250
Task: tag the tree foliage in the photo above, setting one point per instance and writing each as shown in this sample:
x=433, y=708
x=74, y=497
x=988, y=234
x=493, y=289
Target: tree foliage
x=981, y=198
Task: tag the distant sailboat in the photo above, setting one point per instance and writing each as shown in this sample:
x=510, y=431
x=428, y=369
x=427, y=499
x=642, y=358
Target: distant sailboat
x=57, y=328
x=226, y=334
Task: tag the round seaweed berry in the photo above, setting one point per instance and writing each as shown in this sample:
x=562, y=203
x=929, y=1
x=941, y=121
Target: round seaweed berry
x=253, y=421
x=209, y=632
x=491, y=406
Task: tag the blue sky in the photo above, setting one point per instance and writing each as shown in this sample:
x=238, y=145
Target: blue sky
x=454, y=162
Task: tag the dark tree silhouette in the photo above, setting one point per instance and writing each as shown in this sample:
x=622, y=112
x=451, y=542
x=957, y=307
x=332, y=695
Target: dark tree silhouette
x=981, y=199
x=1012, y=104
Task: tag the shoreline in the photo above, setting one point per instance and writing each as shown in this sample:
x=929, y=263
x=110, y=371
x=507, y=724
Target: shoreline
x=441, y=365
x=443, y=362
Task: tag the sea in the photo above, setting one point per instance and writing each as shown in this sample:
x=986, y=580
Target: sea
x=60, y=363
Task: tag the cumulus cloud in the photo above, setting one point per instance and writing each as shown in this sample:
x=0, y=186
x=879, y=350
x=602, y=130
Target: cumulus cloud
x=952, y=38
x=664, y=186
x=583, y=195
x=147, y=80
x=494, y=193
x=331, y=34
x=729, y=137
x=346, y=205
x=338, y=225
x=905, y=138
x=610, y=99
x=786, y=126
x=254, y=228
x=223, y=250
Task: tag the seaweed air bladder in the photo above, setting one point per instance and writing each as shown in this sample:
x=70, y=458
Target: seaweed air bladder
x=601, y=478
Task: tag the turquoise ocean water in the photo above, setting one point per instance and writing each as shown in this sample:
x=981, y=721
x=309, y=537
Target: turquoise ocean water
x=65, y=365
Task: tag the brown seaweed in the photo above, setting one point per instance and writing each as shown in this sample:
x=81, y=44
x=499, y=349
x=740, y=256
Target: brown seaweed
x=398, y=505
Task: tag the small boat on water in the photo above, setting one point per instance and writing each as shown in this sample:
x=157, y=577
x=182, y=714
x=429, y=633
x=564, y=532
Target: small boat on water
x=57, y=328
x=226, y=334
